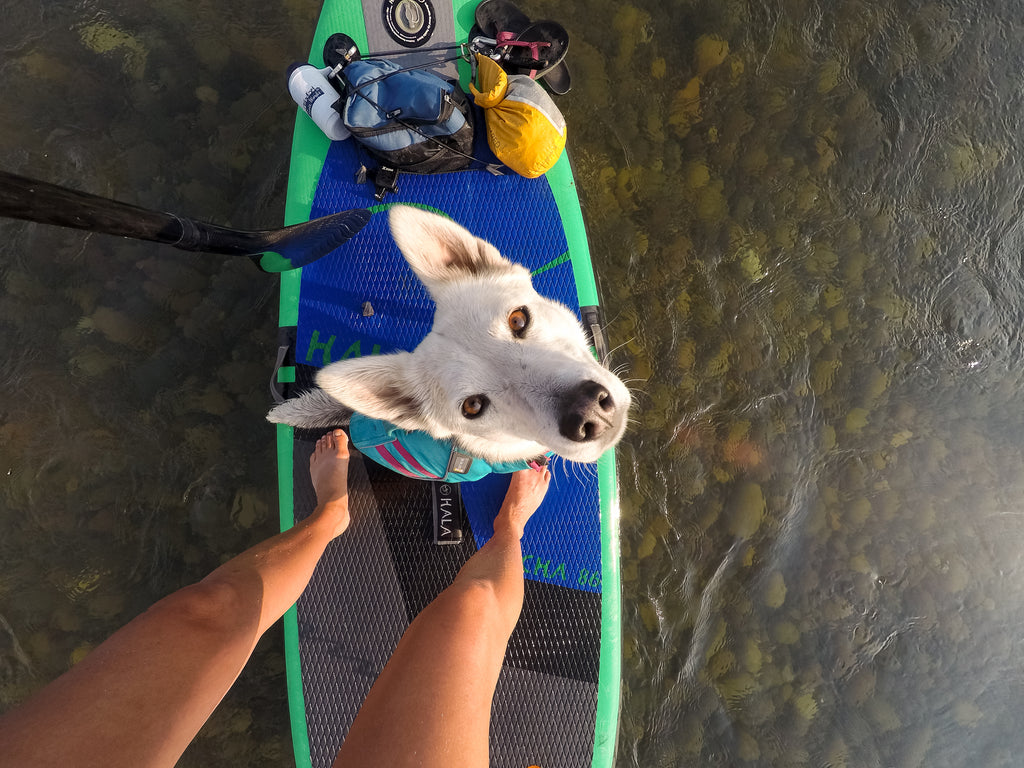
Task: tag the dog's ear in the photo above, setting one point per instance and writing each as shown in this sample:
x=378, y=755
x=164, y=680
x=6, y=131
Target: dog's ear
x=379, y=386
x=439, y=250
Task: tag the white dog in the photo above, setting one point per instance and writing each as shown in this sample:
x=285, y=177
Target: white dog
x=505, y=375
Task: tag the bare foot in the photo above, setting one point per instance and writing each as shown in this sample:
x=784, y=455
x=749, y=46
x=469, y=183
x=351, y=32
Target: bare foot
x=524, y=495
x=328, y=469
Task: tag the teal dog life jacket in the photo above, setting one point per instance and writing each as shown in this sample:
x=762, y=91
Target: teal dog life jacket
x=420, y=456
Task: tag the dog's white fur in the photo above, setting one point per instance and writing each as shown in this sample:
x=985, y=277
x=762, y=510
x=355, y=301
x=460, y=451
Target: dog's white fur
x=545, y=390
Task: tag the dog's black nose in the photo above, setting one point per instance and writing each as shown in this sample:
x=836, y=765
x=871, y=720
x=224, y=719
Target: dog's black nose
x=586, y=411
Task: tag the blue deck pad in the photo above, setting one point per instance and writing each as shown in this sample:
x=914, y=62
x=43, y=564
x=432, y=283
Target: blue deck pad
x=562, y=544
x=519, y=216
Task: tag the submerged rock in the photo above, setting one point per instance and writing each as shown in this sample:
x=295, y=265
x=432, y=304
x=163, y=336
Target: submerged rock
x=774, y=590
x=102, y=37
x=747, y=510
x=684, y=110
x=708, y=52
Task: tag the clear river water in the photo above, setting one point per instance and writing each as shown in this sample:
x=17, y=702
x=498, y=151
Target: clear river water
x=806, y=219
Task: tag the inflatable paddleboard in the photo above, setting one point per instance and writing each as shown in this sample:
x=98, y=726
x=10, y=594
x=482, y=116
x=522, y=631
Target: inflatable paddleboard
x=557, y=699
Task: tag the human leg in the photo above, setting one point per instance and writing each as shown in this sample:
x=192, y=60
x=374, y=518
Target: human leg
x=431, y=704
x=142, y=695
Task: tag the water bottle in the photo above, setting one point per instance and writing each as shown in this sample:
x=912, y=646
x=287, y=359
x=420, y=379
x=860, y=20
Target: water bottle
x=311, y=90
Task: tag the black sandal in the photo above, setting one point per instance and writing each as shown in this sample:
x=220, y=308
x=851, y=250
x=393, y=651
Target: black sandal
x=534, y=48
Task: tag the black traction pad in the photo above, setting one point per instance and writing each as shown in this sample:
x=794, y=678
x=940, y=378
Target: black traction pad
x=374, y=580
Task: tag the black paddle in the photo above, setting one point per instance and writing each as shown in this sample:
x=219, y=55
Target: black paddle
x=273, y=250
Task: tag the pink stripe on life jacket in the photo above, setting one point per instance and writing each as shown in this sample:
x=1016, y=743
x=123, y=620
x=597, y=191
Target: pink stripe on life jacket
x=412, y=462
x=394, y=463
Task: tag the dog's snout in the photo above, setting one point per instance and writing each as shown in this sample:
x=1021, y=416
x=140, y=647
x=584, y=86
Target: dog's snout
x=586, y=412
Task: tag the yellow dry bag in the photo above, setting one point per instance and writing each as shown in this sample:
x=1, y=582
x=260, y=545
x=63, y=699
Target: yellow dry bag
x=525, y=130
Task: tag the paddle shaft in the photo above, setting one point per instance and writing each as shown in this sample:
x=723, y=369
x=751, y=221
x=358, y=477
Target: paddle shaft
x=32, y=200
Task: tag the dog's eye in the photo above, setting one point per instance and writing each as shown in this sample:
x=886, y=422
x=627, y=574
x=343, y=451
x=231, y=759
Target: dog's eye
x=474, y=405
x=518, y=322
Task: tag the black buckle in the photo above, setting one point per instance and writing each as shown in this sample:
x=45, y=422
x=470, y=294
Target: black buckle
x=385, y=179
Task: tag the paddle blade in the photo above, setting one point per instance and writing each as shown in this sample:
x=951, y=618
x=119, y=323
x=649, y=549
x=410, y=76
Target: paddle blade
x=301, y=244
